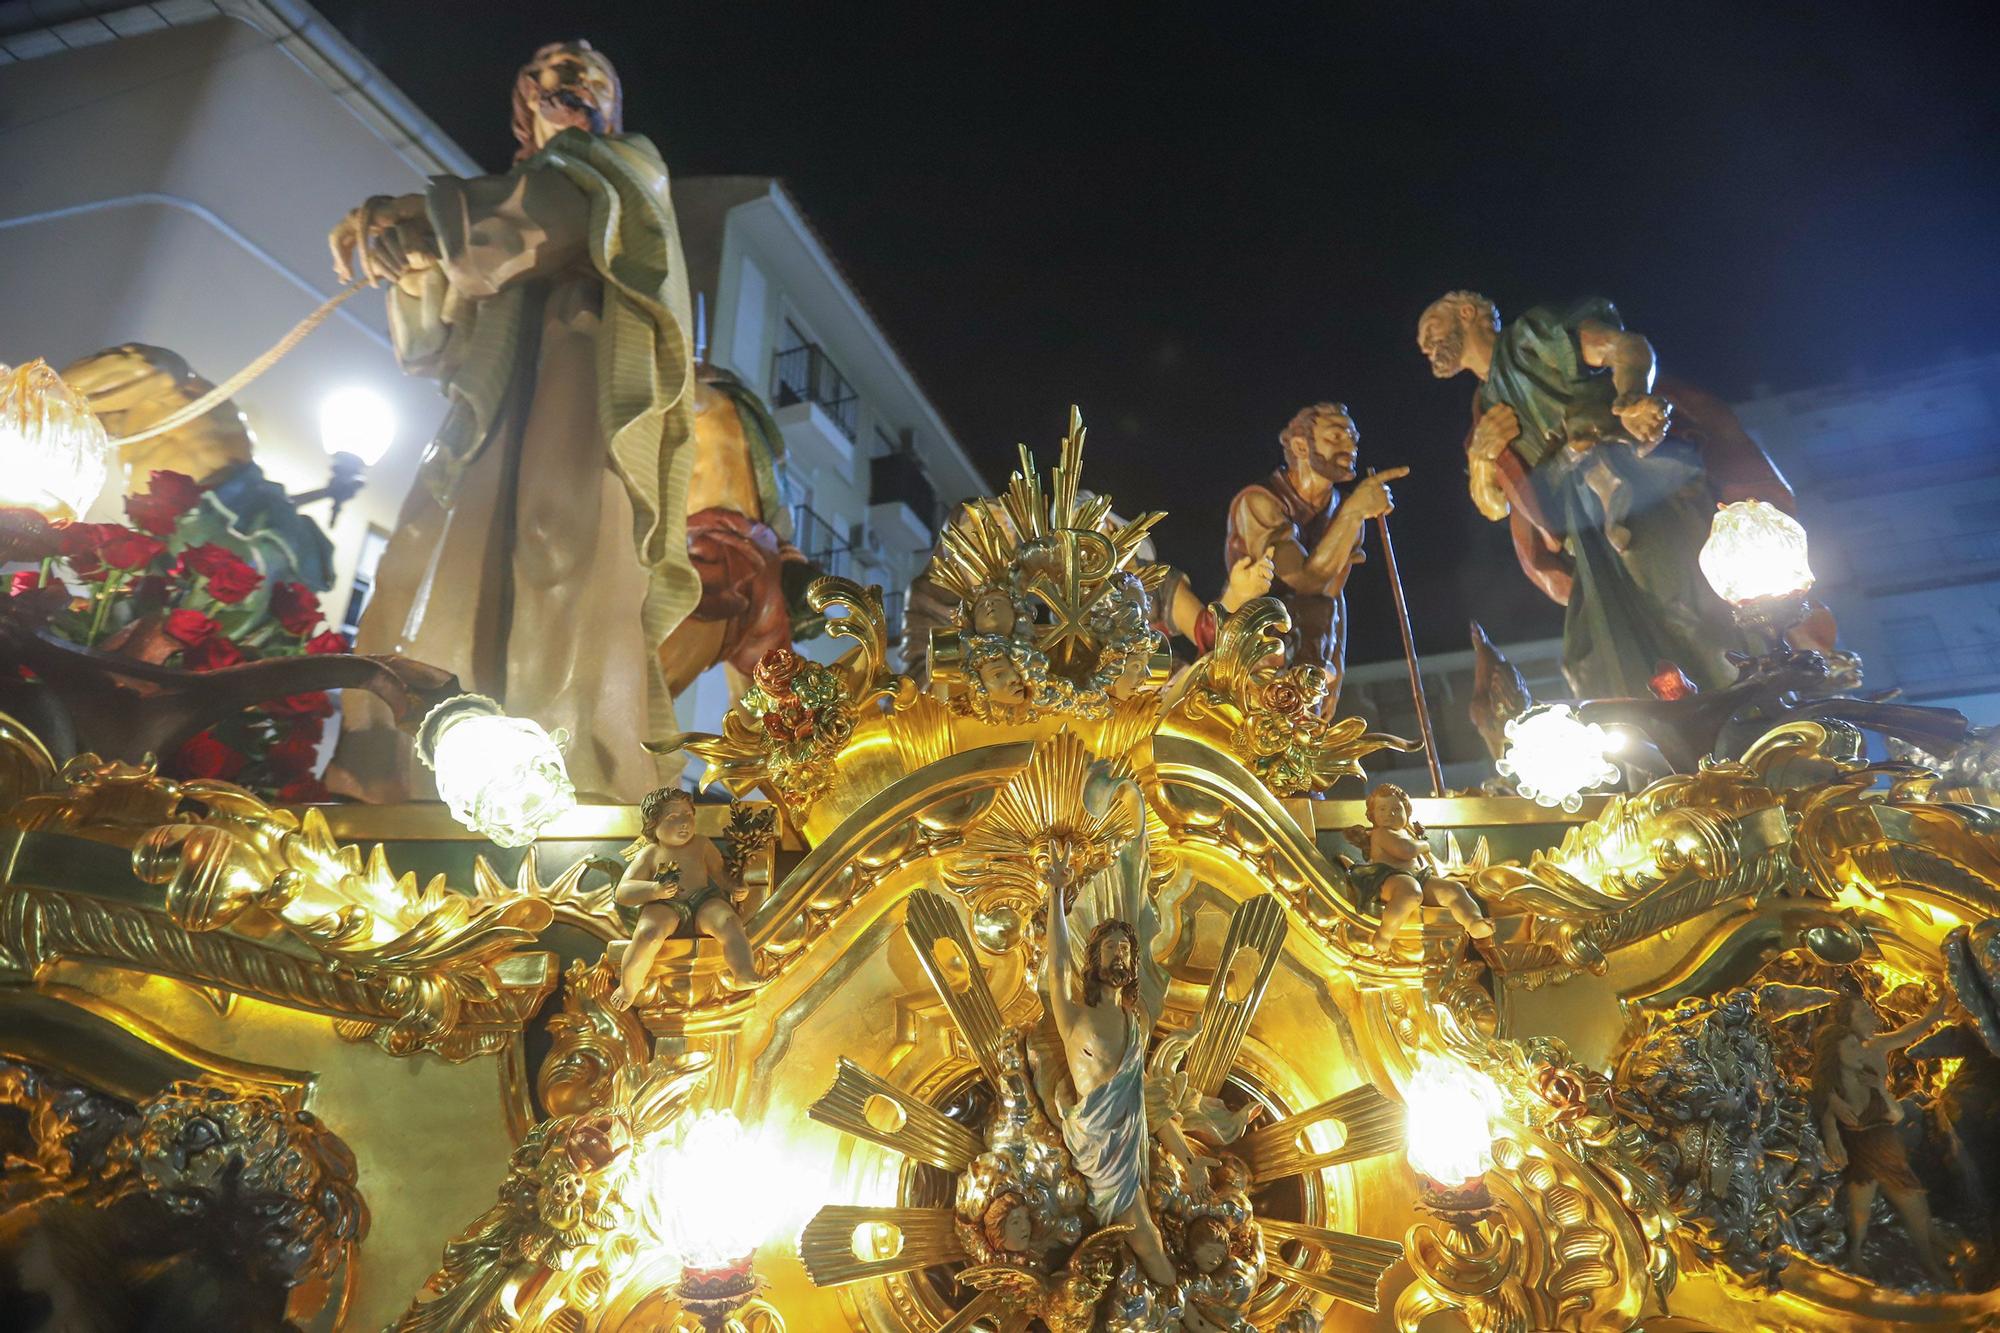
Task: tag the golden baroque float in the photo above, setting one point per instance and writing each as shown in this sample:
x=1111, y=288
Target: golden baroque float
x=1067, y=1020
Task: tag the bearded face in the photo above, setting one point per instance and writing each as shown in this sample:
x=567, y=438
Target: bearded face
x=1111, y=963
x=1441, y=338
x=567, y=86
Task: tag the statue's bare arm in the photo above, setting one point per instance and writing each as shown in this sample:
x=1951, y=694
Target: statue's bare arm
x=1629, y=357
x=640, y=884
x=1058, y=967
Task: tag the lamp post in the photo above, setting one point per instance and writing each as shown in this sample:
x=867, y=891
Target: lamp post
x=1554, y=756
x=1463, y=1249
x=356, y=428
x=54, y=453
x=501, y=776
x=1755, y=559
x=708, y=1201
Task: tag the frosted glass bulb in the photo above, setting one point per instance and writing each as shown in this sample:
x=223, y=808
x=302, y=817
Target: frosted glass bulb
x=54, y=453
x=500, y=776
x=1449, y=1132
x=1755, y=550
x=1554, y=756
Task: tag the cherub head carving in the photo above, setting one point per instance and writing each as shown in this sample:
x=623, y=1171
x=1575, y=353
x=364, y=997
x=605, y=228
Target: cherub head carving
x=565, y=86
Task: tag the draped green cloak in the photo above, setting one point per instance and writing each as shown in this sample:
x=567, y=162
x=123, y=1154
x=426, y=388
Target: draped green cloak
x=1627, y=610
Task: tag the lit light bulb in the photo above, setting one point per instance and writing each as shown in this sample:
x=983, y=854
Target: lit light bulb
x=54, y=453
x=502, y=777
x=1754, y=551
x=709, y=1191
x=1449, y=1132
x=357, y=421
x=1554, y=756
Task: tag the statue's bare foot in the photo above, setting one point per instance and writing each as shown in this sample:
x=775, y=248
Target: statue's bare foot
x=1619, y=536
x=738, y=981
x=1479, y=929
x=620, y=999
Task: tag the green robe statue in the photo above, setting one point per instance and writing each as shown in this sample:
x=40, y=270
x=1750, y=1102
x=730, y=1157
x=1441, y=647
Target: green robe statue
x=1627, y=609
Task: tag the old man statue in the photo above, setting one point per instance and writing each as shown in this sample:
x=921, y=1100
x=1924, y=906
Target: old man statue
x=1310, y=516
x=543, y=555
x=1608, y=480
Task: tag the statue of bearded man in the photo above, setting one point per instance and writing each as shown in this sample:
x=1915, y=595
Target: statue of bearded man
x=543, y=555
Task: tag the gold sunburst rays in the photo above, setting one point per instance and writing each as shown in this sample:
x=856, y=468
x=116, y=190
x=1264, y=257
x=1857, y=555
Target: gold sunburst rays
x=1040, y=811
x=869, y=1107
x=1368, y=1122
x=854, y=1242
x=1353, y=1265
x=945, y=952
x=983, y=548
x=1249, y=955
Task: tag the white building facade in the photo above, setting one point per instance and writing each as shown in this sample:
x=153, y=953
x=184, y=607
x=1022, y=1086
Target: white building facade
x=870, y=467
x=173, y=170
x=1898, y=479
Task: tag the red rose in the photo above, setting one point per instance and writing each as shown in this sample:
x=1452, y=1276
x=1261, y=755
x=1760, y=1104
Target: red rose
x=25, y=580
x=775, y=670
x=190, y=627
x=203, y=756
x=211, y=654
x=169, y=495
x=175, y=488
x=316, y=704
x=126, y=549
x=81, y=540
x=209, y=559
x=331, y=641
x=305, y=791
x=296, y=607
x=232, y=583
x=293, y=757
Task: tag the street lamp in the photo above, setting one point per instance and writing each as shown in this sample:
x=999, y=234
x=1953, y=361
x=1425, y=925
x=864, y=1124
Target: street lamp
x=708, y=1201
x=356, y=428
x=54, y=454
x=1755, y=559
x=502, y=777
x=1554, y=756
x=1449, y=1136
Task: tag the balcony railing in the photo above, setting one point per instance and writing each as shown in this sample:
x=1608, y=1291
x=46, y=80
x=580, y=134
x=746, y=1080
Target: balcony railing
x=820, y=542
x=805, y=375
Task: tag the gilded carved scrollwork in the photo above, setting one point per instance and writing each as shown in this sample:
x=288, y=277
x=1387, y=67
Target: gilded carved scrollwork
x=221, y=1198
x=233, y=893
x=564, y=1230
x=1243, y=698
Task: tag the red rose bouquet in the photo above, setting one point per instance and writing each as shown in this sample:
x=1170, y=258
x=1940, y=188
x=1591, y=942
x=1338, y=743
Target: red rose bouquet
x=177, y=588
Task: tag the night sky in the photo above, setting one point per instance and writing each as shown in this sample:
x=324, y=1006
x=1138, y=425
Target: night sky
x=1193, y=219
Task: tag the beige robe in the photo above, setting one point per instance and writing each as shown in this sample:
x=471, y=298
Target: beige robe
x=543, y=555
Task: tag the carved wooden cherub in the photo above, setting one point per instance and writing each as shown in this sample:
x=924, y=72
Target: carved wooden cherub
x=1858, y=1115
x=1401, y=874
x=678, y=878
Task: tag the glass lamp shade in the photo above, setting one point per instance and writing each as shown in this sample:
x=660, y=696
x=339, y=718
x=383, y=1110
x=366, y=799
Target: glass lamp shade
x=357, y=421
x=708, y=1192
x=1449, y=1134
x=54, y=454
x=1554, y=756
x=502, y=777
x=1754, y=551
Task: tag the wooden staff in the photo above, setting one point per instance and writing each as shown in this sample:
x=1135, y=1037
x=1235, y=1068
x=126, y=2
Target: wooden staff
x=1410, y=655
